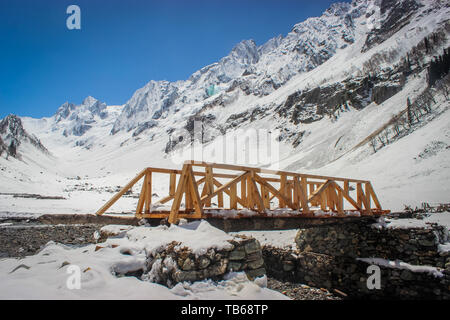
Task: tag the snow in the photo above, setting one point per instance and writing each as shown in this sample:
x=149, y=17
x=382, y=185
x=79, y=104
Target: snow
x=440, y=218
x=46, y=274
x=274, y=238
x=191, y=235
x=403, y=265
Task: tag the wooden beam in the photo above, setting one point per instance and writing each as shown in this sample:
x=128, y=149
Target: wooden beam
x=233, y=196
x=178, y=195
x=273, y=190
x=194, y=194
x=319, y=191
x=220, y=194
x=116, y=197
x=258, y=200
x=283, y=191
x=267, y=171
x=374, y=197
x=148, y=192
x=348, y=198
x=173, y=183
x=225, y=186
x=142, y=195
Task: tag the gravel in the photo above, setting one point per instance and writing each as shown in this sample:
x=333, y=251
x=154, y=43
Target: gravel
x=297, y=291
x=24, y=239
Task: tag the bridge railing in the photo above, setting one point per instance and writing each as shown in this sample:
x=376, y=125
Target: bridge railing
x=201, y=188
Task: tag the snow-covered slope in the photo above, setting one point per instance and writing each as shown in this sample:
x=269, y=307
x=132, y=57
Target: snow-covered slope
x=321, y=91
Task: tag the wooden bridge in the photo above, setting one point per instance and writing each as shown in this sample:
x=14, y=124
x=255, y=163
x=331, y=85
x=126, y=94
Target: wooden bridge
x=222, y=190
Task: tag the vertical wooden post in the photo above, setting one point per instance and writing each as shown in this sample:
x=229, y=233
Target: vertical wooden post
x=250, y=196
x=148, y=191
x=358, y=195
x=195, y=195
x=233, y=196
x=209, y=184
x=220, y=200
x=256, y=195
x=296, y=200
x=244, y=192
x=367, y=189
x=142, y=195
x=304, y=194
x=282, y=190
x=173, y=216
x=173, y=183
x=265, y=197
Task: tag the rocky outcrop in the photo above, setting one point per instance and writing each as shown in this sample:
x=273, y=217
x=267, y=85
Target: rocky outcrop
x=395, y=15
x=13, y=135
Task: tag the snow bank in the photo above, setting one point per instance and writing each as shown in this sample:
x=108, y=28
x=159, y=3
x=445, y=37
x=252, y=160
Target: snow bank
x=101, y=268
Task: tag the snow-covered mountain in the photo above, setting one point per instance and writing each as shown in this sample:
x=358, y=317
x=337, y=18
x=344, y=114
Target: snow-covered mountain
x=335, y=90
x=13, y=137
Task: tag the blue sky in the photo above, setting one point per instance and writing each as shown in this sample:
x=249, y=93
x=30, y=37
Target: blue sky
x=123, y=44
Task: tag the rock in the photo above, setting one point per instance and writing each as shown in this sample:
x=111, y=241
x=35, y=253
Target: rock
x=406, y=275
x=203, y=262
x=237, y=254
x=256, y=273
x=255, y=264
x=252, y=247
x=234, y=266
x=188, y=264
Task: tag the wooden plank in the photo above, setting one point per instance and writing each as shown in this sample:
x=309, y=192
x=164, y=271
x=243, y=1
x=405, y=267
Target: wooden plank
x=323, y=200
x=296, y=200
x=178, y=195
x=362, y=198
x=142, y=195
x=116, y=197
x=303, y=193
x=195, y=195
x=339, y=202
x=367, y=188
x=165, y=199
x=244, y=192
x=265, y=197
x=258, y=200
x=209, y=185
x=148, y=192
x=250, y=202
x=283, y=191
x=220, y=199
x=358, y=194
x=233, y=196
x=173, y=183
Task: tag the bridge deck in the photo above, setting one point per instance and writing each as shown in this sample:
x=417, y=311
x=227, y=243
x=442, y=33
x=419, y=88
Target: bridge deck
x=239, y=192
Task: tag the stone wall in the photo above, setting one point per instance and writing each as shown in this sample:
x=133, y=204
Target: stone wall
x=327, y=257
x=175, y=264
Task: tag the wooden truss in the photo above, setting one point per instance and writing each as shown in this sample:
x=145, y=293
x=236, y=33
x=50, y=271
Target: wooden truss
x=260, y=190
